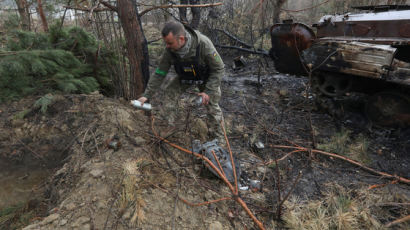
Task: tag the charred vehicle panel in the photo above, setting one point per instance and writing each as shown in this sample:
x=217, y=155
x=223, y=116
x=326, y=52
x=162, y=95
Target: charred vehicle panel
x=355, y=52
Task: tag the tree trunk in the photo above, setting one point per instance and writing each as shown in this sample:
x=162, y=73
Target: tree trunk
x=196, y=13
x=165, y=11
x=182, y=12
x=137, y=47
x=42, y=16
x=277, y=6
x=22, y=8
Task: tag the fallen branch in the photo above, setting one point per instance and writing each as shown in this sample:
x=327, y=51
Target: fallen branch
x=231, y=155
x=176, y=201
x=398, y=221
x=252, y=51
x=234, y=190
x=231, y=36
x=284, y=157
x=289, y=192
x=392, y=204
x=383, y=174
x=178, y=6
x=188, y=202
x=204, y=203
x=382, y=185
x=36, y=155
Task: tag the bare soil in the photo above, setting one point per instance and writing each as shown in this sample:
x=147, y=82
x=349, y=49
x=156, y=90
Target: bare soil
x=105, y=169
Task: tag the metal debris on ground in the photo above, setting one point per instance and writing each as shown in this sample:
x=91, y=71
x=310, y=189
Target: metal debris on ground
x=208, y=149
x=113, y=143
x=259, y=145
x=255, y=185
x=239, y=62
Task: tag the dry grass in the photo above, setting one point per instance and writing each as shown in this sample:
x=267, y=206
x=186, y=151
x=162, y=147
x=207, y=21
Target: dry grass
x=344, y=143
x=341, y=208
x=139, y=174
x=358, y=150
x=131, y=193
x=338, y=143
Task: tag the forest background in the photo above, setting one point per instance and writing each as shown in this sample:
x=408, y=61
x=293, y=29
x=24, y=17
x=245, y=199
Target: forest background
x=80, y=46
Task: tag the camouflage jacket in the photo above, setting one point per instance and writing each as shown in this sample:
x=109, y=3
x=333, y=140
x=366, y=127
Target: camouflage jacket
x=208, y=56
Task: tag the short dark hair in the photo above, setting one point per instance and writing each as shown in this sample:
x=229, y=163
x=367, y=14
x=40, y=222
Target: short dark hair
x=173, y=26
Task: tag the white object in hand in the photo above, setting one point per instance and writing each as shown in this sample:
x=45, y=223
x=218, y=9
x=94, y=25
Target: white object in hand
x=198, y=101
x=137, y=104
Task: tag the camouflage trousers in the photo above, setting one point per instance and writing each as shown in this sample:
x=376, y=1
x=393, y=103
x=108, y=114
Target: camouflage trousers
x=173, y=104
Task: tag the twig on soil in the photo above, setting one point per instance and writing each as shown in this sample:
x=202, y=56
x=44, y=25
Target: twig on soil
x=113, y=202
x=383, y=174
x=283, y=158
x=190, y=203
x=176, y=201
x=382, y=185
x=206, y=202
x=219, y=164
x=290, y=191
x=82, y=143
x=279, y=208
x=392, y=204
x=264, y=126
x=32, y=151
x=312, y=132
x=96, y=145
x=398, y=221
x=72, y=142
x=163, y=151
x=231, y=155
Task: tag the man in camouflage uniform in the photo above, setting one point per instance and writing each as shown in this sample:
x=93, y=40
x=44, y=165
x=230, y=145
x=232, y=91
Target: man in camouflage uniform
x=197, y=63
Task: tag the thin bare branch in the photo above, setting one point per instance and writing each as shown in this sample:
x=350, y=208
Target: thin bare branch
x=308, y=8
x=179, y=6
x=233, y=37
x=87, y=9
x=234, y=190
x=398, y=221
x=262, y=52
x=108, y=5
x=383, y=174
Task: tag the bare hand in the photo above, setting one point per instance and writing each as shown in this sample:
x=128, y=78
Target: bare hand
x=205, y=98
x=142, y=100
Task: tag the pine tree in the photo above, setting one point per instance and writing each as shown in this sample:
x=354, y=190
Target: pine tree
x=67, y=60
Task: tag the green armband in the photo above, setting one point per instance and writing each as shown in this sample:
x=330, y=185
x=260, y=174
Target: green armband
x=160, y=72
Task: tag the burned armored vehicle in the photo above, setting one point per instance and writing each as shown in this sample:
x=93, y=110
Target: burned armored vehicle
x=366, y=52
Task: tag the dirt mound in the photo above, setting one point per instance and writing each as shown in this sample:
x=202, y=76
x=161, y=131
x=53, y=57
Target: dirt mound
x=112, y=171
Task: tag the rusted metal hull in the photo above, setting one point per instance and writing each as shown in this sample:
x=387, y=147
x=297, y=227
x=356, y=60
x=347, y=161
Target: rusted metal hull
x=372, y=45
x=358, y=59
x=288, y=41
x=378, y=31
x=366, y=52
